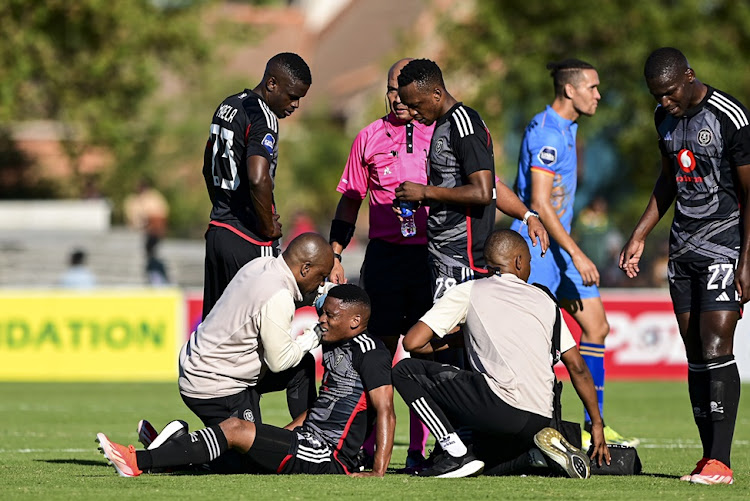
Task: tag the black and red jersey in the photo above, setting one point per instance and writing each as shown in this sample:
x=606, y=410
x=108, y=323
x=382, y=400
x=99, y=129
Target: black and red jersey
x=705, y=148
x=341, y=416
x=461, y=145
x=242, y=126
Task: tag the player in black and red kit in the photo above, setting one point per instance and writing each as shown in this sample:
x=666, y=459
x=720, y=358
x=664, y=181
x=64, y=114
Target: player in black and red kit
x=239, y=166
x=704, y=140
x=356, y=393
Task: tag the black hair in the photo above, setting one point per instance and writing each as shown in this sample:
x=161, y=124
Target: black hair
x=350, y=294
x=567, y=71
x=665, y=62
x=422, y=71
x=77, y=257
x=292, y=64
x=501, y=242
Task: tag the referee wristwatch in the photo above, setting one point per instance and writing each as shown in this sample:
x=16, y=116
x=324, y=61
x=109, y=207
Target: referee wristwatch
x=337, y=256
x=530, y=213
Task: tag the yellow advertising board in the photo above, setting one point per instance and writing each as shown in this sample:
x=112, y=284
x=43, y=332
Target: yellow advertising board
x=97, y=335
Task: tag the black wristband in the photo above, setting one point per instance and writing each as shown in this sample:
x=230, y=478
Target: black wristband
x=341, y=232
x=337, y=256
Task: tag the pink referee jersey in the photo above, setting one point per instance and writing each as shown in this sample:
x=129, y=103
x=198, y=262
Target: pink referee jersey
x=384, y=154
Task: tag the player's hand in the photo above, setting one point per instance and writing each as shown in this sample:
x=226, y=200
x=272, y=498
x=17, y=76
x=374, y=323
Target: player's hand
x=631, y=256
x=276, y=232
x=587, y=269
x=742, y=280
x=537, y=233
x=337, y=275
x=600, y=451
x=412, y=192
x=366, y=474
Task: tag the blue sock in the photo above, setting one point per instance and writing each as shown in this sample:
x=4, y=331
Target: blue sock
x=593, y=355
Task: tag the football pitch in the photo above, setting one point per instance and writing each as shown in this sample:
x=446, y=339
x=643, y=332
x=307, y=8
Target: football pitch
x=47, y=451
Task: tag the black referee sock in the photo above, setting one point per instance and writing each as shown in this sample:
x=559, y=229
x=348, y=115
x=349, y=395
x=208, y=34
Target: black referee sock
x=724, y=392
x=698, y=388
x=197, y=447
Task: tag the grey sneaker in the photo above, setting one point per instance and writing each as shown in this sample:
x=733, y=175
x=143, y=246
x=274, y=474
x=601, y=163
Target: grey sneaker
x=553, y=445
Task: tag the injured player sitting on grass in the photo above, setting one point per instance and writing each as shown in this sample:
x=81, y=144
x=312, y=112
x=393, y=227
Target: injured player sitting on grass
x=355, y=394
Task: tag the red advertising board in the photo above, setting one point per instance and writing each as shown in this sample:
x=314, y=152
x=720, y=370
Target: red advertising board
x=644, y=340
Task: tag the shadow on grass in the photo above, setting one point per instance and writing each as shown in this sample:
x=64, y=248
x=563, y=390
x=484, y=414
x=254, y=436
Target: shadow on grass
x=81, y=462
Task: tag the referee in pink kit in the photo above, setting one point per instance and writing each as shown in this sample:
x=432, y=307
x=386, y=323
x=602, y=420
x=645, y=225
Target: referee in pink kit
x=395, y=273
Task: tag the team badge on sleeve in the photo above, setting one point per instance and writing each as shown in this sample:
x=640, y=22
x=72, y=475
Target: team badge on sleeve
x=547, y=155
x=268, y=142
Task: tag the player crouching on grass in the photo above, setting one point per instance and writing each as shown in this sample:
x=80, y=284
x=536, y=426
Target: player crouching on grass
x=506, y=399
x=356, y=393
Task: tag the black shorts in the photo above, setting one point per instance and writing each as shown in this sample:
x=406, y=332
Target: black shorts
x=226, y=253
x=397, y=279
x=277, y=450
x=466, y=400
x=446, y=273
x=702, y=286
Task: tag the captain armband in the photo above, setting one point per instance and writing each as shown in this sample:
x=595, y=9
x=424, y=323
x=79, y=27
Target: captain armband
x=341, y=232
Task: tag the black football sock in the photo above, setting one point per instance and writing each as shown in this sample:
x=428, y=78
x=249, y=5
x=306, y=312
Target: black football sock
x=724, y=400
x=197, y=447
x=698, y=388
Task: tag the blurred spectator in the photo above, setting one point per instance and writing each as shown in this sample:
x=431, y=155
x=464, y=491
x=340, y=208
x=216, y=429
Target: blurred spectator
x=147, y=210
x=592, y=230
x=658, y=266
x=301, y=223
x=78, y=275
x=156, y=270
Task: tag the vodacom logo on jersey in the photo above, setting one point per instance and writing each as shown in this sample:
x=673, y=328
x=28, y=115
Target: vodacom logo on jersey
x=686, y=161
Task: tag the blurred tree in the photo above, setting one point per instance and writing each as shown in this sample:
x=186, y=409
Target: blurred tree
x=498, y=52
x=90, y=65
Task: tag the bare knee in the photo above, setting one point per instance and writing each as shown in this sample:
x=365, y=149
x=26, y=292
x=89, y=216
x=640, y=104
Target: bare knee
x=240, y=434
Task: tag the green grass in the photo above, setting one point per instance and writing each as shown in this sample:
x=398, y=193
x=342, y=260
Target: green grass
x=47, y=451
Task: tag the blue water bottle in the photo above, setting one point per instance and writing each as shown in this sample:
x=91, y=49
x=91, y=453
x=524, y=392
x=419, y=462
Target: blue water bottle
x=408, y=226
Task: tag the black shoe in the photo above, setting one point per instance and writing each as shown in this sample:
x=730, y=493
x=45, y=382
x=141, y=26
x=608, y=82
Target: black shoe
x=573, y=461
x=363, y=461
x=447, y=466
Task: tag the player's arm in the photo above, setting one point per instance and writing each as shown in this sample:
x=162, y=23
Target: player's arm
x=584, y=386
x=435, y=330
x=261, y=195
x=297, y=421
x=342, y=230
x=662, y=197
x=478, y=191
x=381, y=399
x=541, y=201
x=742, y=274
x=509, y=204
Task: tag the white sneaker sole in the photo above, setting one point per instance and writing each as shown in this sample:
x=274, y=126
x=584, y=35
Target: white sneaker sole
x=169, y=431
x=470, y=469
x=713, y=480
x=105, y=447
x=574, y=461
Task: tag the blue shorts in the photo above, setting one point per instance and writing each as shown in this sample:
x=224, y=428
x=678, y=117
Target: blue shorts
x=556, y=271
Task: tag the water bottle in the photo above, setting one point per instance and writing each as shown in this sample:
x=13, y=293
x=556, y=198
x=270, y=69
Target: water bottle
x=408, y=226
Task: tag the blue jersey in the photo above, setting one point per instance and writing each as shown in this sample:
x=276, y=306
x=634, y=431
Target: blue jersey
x=549, y=147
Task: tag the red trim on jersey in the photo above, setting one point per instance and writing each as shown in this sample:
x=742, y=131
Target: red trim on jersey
x=361, y=405
x=283, y=463
x=468, y=245
x=247, y=132
x=239, y=233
